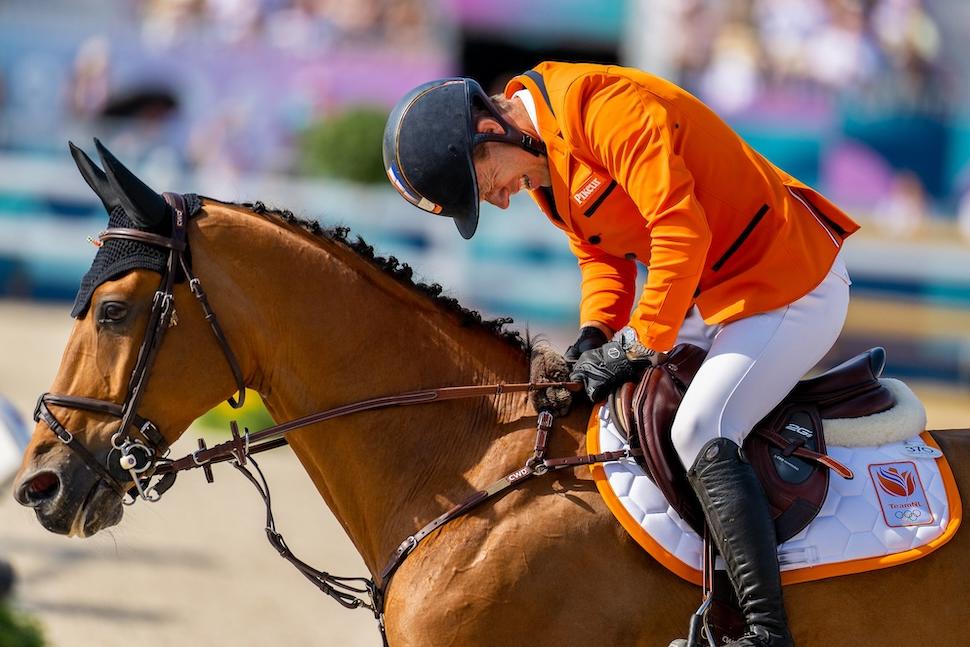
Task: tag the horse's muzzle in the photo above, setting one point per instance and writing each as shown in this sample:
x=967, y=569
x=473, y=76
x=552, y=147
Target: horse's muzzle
x=69, y=502
x=39, y=489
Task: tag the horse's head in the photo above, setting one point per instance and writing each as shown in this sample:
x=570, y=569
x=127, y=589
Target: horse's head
x=135, y=371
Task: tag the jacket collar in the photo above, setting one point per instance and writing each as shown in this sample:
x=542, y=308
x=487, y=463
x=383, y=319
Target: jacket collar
x=548, y=125
x=556, y=151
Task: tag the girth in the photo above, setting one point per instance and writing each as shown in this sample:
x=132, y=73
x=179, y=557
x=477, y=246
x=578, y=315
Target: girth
x=786, y=448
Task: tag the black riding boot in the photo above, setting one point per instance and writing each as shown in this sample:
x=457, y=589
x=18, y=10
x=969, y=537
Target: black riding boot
x=737, y=513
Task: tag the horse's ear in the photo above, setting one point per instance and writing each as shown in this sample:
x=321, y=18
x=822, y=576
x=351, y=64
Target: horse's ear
x=95, y=178
x=146, y=208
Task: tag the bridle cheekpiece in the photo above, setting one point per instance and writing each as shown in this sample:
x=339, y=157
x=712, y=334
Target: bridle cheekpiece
x=135, y=457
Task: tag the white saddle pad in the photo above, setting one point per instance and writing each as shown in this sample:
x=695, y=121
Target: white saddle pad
x=902, y=504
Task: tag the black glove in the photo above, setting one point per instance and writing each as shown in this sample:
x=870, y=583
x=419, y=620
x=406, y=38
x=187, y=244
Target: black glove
x=614, y=363
x=590, y=337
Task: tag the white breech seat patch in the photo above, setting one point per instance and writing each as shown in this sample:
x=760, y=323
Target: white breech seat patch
x=902, y=504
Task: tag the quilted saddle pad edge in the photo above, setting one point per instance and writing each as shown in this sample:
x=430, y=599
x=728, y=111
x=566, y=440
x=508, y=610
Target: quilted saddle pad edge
x=792, y=576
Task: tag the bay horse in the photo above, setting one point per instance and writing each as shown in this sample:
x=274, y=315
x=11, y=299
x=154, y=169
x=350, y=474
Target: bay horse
x=315, y=321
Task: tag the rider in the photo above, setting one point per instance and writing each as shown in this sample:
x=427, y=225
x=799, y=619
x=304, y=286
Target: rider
x=633, y=169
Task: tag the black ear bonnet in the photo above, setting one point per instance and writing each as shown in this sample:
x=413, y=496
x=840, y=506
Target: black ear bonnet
x=130, y=204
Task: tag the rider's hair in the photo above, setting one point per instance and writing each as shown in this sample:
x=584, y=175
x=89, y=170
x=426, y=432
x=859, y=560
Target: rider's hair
x=479, y=112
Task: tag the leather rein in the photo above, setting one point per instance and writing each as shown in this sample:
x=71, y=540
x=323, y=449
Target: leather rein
x=143, y=460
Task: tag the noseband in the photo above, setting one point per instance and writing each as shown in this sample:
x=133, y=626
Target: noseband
x=136, y=457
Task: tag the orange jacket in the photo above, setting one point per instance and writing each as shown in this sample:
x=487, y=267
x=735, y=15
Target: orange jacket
x=644, y=172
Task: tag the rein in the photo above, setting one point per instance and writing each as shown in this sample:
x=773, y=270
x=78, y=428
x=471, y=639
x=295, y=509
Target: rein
x=271, y=437
x=143, y=458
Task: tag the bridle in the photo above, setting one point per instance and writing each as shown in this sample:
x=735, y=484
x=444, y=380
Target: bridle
x=143, y=457
x=136, y=456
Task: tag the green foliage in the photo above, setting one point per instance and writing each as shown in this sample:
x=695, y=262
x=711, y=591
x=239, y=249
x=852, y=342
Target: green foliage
x=253, y=416
x=346, y=146
x=17, y=630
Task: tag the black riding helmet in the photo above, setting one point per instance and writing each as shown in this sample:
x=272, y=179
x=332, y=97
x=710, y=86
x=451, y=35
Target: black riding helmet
x=428, y=144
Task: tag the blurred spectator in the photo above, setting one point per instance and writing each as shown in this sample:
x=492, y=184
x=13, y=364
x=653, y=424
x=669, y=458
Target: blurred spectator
x=732, y=79
x=911, y=40
x=292, y=24
x=829, y=45
x=786, y=28
x=741, y=56
x=963, y=214
x=276, y=61
x=90, y=82
x=905, y=208
x=840, y=54
x=406, y=22
x=215, y=144
x=235, y=20
x=693, y=40
x=299, y=26
x=360, y=19
x=164, y=20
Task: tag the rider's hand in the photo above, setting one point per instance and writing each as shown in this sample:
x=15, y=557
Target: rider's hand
x=615, y=362
x=590, y=337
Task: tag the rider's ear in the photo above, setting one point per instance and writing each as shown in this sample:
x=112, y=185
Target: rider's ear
x=489, y=125
x=146, y=208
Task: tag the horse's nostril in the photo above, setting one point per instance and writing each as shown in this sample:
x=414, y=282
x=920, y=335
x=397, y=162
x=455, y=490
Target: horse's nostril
x=40, y=488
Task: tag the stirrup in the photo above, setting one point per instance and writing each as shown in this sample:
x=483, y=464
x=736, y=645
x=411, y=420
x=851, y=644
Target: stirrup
x=697, y=632
x=698, y=635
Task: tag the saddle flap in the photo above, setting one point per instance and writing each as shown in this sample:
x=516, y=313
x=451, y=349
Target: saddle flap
x=655, y=405
x=683, y=362
x=795, y=485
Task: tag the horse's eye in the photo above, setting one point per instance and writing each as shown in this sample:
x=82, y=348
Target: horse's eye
x=113, y=312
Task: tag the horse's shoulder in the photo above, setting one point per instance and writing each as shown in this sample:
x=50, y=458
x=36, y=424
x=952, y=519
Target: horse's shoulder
x=955, y=444
x=956, y=440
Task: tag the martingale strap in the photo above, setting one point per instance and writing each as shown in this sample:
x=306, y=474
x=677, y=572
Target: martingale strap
x=348, y=590
x=537, y=465
x=345, y=590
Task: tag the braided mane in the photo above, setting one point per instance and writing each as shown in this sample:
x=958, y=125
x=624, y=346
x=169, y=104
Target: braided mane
x=401, y=272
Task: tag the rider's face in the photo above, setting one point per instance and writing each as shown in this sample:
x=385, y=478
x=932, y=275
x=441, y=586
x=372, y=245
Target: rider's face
x=506, y=169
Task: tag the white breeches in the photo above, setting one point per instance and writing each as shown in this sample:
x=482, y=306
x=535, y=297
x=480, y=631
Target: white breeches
x=754, y=362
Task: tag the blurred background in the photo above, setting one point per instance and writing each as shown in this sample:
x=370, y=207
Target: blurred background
x=284, y=101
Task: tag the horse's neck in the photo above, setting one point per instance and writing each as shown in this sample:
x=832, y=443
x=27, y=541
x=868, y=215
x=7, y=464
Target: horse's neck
x=326, y=327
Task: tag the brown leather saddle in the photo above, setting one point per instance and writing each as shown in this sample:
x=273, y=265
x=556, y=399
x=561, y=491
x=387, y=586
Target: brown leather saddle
x=786, y=448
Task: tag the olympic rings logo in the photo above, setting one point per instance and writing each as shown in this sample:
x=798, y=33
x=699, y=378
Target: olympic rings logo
x=909, y=515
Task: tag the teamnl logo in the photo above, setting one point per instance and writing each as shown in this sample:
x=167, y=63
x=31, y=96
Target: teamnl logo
x=901, y=494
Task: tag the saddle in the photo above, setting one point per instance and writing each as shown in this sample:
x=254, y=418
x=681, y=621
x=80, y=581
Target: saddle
x=786, y=448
